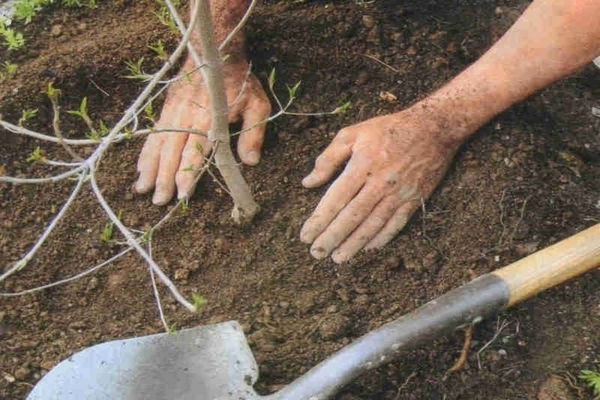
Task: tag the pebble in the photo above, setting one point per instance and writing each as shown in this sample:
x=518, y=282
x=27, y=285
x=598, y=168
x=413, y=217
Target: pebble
x=182, y=274
x=22, y=373
x=56, y=30
x=368, y=21
x=334, y=327
x=362, y=78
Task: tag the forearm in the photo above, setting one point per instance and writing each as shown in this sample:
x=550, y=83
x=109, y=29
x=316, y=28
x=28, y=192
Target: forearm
x=552, y=39
x=226, y=14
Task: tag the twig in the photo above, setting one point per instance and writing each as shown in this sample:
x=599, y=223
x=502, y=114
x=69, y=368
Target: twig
x=501, y=206
x=55, y=178
x=239, y=26
x=133, y=243
x=499, y=328
x=56, y=128
x=412, y=375
x=155, y=290
x=522, y=214
x=382, y=63
x=463, y=353
x=70, y=279
x=19, y=265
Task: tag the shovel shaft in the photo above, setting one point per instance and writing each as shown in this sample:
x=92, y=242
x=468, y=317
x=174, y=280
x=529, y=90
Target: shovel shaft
x=553, y=265
x=466, y=304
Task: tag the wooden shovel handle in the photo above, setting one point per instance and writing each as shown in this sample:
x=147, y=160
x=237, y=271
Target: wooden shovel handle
x=553, y=265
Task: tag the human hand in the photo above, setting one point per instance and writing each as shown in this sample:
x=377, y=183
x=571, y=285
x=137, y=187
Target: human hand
x=172, y=160
x=396, y=161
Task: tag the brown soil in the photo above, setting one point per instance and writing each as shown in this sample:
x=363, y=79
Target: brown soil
x=528, y=179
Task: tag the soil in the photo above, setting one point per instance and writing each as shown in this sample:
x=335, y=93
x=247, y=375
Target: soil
x=528, y=179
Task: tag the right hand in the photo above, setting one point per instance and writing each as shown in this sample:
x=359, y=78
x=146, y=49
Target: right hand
x=171, y=161
x=394, y=163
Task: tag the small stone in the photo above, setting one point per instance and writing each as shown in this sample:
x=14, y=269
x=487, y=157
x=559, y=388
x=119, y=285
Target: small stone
x=47, y=365
x=22, y=373
x=334, y=327
x=388, y=97
x=92, y=284
x=56, y=30
x=362, y=78
x=182, y=274
x=368, y=21
x=502, y=352
x=526, y=249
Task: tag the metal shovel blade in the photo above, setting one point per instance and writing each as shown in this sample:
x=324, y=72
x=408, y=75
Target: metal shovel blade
x=207, y=362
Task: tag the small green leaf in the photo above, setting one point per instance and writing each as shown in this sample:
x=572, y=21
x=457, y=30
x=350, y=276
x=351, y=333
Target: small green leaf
x=27, y=115
x=342, y=108
x=292, y=90
x=272, y=78
x=199, y=302
x=35, y=156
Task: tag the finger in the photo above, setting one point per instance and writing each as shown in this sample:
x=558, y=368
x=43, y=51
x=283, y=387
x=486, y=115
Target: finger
x=148, y=163
x=338, y=151
x=347, y=221
x=394, y=225
x=196, y=149
x=338, y=195
x=170, y=158
x=376, y=220
x=253, y=130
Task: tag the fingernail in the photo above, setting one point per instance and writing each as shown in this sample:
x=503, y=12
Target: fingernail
x=339, y=257
x=309, y=180
x=140, y=187
x=252, y=157
x=319, y=252
x=160, y=198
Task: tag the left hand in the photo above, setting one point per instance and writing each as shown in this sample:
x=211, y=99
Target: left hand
x=396, y=161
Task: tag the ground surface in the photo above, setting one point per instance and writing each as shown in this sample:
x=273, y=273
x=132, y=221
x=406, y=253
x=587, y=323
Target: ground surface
x=528, y=179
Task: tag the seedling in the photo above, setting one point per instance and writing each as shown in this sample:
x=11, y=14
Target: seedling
x=107, y=232
x=27, y=115
x=199, y=302
x=592, y=380
x=35, y=156
x=159, y=49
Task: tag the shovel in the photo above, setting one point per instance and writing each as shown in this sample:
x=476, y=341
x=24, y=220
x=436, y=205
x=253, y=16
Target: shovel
x=214, y=361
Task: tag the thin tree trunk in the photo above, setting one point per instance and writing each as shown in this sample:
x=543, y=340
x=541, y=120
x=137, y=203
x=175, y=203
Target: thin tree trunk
x=244, y=207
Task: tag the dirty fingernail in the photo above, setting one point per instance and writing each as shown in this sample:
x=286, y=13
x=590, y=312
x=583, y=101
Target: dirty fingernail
x=319, y=252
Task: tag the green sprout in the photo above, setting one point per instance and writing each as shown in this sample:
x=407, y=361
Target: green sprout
x=107, y=232
x=52, y=93
x=149, y=112
x=9, y=68
x=35, y=156
x=27, y=115
x=135, y=70
x=592, y=380
x=12, y=40
x=199, y=302
x=159, y=49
